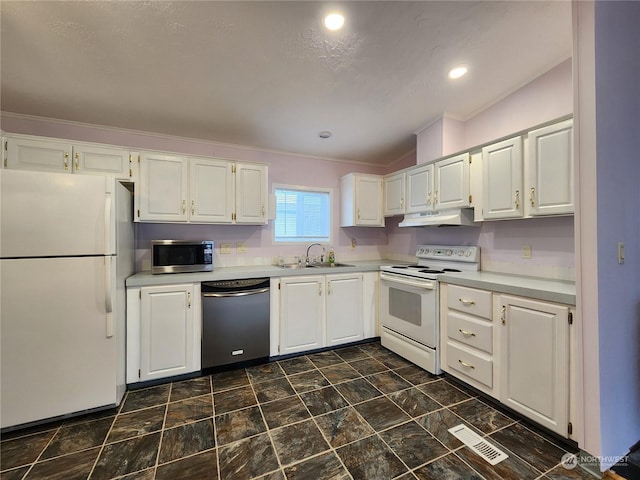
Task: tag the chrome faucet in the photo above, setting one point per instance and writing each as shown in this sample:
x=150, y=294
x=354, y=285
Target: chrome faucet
x=309, y=248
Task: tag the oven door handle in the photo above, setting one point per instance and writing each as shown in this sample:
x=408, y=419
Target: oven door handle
x=426, y=284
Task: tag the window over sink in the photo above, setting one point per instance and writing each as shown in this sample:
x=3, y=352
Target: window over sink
x=303, y=214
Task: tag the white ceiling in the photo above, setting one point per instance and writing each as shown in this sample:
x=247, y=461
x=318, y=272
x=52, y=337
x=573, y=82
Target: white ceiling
x=267, y=74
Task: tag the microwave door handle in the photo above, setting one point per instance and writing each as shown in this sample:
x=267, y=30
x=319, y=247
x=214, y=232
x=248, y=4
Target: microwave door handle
x=427, y=285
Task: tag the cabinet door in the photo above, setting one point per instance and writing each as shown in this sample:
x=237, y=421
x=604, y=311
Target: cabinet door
x=301, y=313
x=211, y=190
x=535, y=360
x=451, y=181
x=97, y=160
x=502, y=179
x=344, y=308
x=550, y=171
x=166, y=331
x=163, y=192
x=251, y=193
x=394, y=194
x=368, y=195
x=38, y=154
x=420, y=189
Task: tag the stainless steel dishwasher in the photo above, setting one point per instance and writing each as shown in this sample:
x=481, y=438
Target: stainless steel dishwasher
x=235, y=321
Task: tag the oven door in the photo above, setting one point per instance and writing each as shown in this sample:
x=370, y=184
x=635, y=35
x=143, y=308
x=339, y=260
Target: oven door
x=409, y=306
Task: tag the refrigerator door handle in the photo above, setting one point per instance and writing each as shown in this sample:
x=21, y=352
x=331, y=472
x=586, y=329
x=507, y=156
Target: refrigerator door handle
x=108, y=305
x=107, y=225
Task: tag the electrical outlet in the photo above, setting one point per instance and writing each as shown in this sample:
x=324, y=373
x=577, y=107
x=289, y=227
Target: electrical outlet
x=526, y=251
x=620, y=253
x=353, y=243
x=225, y=248
x=241, y=247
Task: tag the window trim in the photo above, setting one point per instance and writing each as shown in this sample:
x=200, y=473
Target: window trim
x=304, y=188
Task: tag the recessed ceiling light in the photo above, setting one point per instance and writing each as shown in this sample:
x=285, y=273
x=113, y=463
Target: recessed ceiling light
x=334, y=21
x=325, y=134
x=457, y=72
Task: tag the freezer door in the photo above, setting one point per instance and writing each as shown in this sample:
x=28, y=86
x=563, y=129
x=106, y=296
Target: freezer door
x=58, y=350
x=53, y=214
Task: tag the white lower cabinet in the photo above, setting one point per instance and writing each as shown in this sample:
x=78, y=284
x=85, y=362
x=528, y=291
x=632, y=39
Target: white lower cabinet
x=163, y=331
x=320, y=310
x=535, y=360
x=517, y=352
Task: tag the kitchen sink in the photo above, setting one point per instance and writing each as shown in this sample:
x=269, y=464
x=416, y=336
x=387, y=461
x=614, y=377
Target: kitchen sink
x=315, y=265
x=293, y=265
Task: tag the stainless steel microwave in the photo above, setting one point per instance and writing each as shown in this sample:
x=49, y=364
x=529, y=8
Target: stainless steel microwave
x=179, y=256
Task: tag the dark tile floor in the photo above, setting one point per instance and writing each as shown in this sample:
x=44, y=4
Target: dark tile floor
x=359, y=412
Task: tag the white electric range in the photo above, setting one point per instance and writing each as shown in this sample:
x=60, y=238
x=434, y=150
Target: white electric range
x=409, y=301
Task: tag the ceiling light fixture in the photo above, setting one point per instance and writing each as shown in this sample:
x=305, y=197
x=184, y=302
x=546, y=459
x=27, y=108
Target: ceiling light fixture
x=334, y=21
x=325, y=134
x=457, y=72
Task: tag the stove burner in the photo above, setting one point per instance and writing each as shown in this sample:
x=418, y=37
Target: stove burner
x=451, y=270
x=429, y=270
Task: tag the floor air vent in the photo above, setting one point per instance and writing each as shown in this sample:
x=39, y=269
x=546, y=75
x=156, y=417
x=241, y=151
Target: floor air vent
x=478, y=444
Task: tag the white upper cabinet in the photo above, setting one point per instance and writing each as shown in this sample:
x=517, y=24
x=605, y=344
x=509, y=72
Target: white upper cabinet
x=550, y=170
x=53, y=155
x=251, y=193
x=502, y=168
x=451, y=183
x=163, y=188
x=200, y=190
x=361, y=200
x=394, y=186
x=420, y=189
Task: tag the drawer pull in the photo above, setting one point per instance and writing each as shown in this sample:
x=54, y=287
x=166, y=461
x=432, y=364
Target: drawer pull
x=466, y=365
x=466, y=333
x=466, y=302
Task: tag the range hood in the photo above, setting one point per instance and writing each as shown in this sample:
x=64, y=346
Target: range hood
x=445, y=218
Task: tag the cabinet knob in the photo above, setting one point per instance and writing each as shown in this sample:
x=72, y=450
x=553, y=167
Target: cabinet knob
x=66, y=160
x=193, y=207
x=466, y=333
x=76, y=161
x=517, y=200
x=466, y=365
x=532, y=196
x=503, y=315
x=184, y=207
x=466, y=302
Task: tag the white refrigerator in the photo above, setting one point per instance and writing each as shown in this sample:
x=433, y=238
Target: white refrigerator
x=66, y=248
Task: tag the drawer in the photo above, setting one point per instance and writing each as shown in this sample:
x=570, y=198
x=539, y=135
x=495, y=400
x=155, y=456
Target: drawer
x=470, y=331
x=470, y=364
x=469, y=300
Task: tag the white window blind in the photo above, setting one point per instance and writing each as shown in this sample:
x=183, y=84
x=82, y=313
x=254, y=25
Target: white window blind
x=302, y=215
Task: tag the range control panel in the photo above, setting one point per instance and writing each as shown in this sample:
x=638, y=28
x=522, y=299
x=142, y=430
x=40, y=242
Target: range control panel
x=449, y=252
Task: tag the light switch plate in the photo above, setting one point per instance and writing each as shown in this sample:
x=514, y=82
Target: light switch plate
x=241, y=247
x=526, y=251
x=225, y=248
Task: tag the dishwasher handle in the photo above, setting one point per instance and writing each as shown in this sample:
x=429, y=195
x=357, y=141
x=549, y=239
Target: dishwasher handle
x=243, y=293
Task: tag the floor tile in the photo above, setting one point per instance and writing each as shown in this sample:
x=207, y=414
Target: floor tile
x=388, y=382
x=438, y=424
x=481, y=415
x=235, y=399
x=237, y=425
x=323, y=467
x=393, y=361
x=527, y=445
x=512, y=468
x=443, y=392
x=561, y=473
x=296, y=442
x=23, y=450
x=323, y=400
x=76, y=466
x=415, y=375
x=449, y=467
x=137, y=423
x=188, y=410
x=374, y=349
x=247, y=458
x=78, y=437
x=140, y=452
x=349, y=354
x=227, y=380
x=343, y=426
x=190, y=388
x=148, y=397
x=340, y=373
x=296, y=365
x=358, y=390
x=277, y=475
x=368, y=366
x=406, y=476
x=15, y=474
x=414, y=402
x=203, y=466
x=147, y=474
x=273, y=390
x=413, y=444
x=370, y=459
x=262, y=373
x=307, y=381
x=381, y=413
x=285, y=411
x=186, y=440
x=325, y=359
